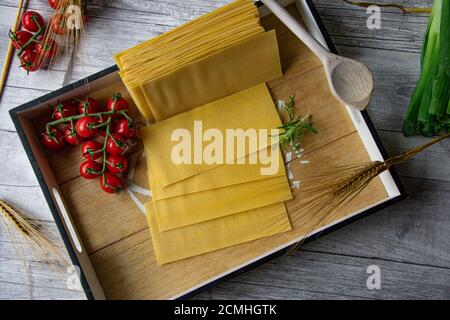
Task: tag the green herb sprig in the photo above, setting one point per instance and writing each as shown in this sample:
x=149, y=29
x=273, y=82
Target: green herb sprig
x=295, y=128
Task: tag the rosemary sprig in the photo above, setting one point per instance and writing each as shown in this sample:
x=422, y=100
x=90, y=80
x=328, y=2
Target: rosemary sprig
x=295, y=128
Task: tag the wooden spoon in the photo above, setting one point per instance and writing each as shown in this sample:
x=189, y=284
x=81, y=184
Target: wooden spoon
x=350, y=81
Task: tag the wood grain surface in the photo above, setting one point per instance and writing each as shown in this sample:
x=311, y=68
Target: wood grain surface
x=408, y=241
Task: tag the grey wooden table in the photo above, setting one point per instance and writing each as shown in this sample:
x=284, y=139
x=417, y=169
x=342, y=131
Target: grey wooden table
x=409, y=242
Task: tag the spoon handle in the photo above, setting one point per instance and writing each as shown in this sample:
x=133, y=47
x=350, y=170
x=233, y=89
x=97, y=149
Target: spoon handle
x=299, y=30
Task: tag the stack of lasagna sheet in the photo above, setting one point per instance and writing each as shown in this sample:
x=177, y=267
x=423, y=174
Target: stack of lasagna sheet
x=215, y=170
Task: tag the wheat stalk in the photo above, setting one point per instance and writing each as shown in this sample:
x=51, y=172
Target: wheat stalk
x=330, y=191
x=36, y=236
x=68, y=41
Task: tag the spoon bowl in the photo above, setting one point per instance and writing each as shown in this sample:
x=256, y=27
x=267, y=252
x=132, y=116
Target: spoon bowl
x=350, y=81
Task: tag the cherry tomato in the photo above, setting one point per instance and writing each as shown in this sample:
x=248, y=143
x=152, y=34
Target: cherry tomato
x=29, y=61
x=64, y=109
x=116, y=144
x=117, y=103
x=111, y=183
x=58, y=24
x=54, y=4
x=55, y=139
x=117, y=163
x=88, y=105
x=125, y=128
x=31, y=21
x=89, y=148
x=89, y=169
x=85, y=126
x=72, y=137
x=20, y=38
x=46, y=48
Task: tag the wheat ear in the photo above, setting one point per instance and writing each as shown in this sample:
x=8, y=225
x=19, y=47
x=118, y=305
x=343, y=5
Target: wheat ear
x=329, y=192
x=33, y=232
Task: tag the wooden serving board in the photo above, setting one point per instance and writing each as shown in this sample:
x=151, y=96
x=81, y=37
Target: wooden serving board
x=115, y=233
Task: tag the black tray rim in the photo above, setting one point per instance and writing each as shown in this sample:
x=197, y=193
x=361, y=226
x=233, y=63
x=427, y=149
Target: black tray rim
x=14, y=114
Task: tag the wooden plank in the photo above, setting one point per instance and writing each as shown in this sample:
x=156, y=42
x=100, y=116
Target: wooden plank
x=175, y=8
x=17, y=170
x=311, y=275
x=430, y=164
x=233, y=289
x=29, y=199
x=36, y=279
x=13, y=97
x=395, y=76
x=397, y=33
x=21, y=291
x=414, y=231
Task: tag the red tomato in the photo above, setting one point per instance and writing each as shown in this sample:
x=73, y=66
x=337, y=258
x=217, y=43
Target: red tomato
x=86, y=126
x=29, y=61
x=58, y=24
x=111, y=183
x=54, y=139
x=64, y=109
x=125, y=128
x=117, y=103
x=55, y=4
x=88, y=105
x=72, y=137
x=117, y=163
x=116, y=144
x=21, y=38
x=46, y=48
x=89, y=148
x=31, y=21
x=90, y=169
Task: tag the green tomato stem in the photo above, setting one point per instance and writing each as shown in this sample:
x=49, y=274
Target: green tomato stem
x=104, y=146
x=124, y=113
x=103, y=150
x=77, y=117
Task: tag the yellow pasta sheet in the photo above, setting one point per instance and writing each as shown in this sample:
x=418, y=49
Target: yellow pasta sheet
x=193, y=41
x=139, y=99
x=249, y=109
x=232, y=11
x=219, y=177
x=216, y=234
x=219, y=75
x=180, y=54
x=211, y=204
x=163, y=67
x=185, y=55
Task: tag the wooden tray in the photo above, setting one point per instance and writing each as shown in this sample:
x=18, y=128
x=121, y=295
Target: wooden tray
x=108, y=237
